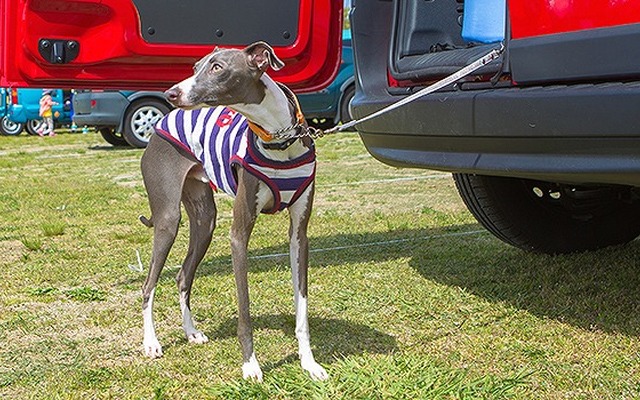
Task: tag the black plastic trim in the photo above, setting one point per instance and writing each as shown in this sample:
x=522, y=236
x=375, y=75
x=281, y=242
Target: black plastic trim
x=237, y=22
x=573, y=134
x=573, y=161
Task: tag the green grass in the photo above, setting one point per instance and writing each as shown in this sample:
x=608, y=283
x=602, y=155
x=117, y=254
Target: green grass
x=409, y=297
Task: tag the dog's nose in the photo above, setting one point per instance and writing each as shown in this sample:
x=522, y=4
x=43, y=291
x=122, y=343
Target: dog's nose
x=172, y=94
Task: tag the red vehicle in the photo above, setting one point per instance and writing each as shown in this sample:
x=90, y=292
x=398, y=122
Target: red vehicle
x=151, y=44
x=544, y=143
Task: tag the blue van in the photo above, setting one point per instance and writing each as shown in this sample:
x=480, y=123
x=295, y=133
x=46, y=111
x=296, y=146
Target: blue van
x=7, y=127
x=24, y=108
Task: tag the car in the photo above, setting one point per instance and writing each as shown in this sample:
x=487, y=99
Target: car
x=25, y=106
x=327, y=107
x=123, y=117
x=7, y=127
x=542, y=142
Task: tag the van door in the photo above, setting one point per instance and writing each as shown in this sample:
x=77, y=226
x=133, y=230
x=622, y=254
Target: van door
x=151, y=44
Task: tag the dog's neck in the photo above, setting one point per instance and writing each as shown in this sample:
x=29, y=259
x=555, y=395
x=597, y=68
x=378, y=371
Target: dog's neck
x=273, y=113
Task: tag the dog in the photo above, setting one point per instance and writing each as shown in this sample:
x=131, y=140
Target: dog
x=237, y=96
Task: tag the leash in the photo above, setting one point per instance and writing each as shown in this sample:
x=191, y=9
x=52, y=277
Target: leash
x=456, y=76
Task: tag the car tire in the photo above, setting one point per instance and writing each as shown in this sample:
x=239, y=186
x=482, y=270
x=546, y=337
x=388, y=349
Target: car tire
x=10, y=128
x=347, y=96
x=112, y=137
x=140, y=120
x=549, y=217
x=33, y=125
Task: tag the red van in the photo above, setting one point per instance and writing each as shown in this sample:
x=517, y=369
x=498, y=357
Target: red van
x=543, y=143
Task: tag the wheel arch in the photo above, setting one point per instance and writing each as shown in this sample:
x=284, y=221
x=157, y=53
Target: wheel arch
x=551, y=218
x=351, y=81
x=136, y=97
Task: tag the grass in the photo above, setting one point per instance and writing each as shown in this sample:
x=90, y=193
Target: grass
x=409, y=297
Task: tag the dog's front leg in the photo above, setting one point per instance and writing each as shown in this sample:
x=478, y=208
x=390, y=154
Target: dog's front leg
x=245, y=211
x=299, y=214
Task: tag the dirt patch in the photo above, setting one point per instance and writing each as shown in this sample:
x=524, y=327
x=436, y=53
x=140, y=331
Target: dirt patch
x=11, y=251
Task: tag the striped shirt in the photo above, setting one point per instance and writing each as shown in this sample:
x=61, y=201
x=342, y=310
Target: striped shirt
x=220, y=139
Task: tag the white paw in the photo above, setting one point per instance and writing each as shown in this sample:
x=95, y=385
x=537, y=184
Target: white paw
x=251, y=370
x=197, y=337
x=152, y=348
x=315, y=370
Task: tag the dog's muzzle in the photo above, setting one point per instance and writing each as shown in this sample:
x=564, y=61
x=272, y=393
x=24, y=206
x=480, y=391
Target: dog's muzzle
x=173, y=95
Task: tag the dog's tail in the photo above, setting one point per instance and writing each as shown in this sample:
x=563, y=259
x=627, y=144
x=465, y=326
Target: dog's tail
x=147, y=222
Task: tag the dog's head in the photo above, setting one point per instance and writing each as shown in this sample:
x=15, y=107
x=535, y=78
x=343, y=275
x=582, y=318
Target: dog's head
x=226, y=77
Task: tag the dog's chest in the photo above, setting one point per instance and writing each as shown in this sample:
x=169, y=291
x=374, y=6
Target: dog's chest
x=220, y=139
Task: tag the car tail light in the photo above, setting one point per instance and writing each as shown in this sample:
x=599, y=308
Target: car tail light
x=14, y=96
x=394, y=83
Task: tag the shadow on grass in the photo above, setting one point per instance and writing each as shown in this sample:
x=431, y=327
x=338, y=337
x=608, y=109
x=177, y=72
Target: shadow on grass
x=593, y=290
x=108, y=147
x=344, y=248
x=330, y=338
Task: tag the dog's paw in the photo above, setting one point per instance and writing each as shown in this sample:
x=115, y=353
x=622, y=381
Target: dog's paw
x=152, y=348
x=197, y=337
x=315, y=370
x=251, y=370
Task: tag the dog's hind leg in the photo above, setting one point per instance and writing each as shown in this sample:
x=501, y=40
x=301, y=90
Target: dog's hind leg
x=299, y=214
x=165, y=228
x=164, y=171
x=197, y=198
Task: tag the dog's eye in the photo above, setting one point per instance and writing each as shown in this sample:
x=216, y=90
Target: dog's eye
x=216, y=68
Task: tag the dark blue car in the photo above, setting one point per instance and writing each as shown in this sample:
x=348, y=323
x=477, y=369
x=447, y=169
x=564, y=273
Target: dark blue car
x=123, y=117
x=328, y=107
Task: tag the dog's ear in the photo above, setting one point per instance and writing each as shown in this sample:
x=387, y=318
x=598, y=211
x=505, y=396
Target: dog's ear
x=261, y=56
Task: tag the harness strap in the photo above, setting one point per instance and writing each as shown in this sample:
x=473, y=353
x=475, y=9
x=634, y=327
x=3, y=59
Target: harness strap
x=260, y=131
x=280, y=145
x=299, y=122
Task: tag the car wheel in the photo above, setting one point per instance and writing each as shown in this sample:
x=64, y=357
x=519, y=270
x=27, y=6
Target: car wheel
x=551, y=218
x=10, y=128
x=33, y=125
x=141, y=119
x=112, y=137
x=345, y=114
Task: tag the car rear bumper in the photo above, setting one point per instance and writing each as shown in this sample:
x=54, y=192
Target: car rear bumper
x=99, y=108
x=573, y=134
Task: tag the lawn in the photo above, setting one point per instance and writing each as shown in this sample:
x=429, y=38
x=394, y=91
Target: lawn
x=409, y=297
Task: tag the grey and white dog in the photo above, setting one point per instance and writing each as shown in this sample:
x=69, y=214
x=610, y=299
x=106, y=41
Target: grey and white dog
x=235, y=79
